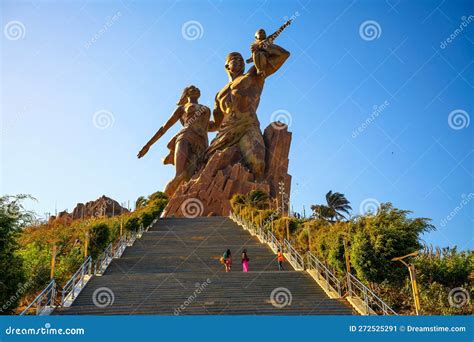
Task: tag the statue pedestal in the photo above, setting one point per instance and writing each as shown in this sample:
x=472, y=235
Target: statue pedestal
x=210, y=190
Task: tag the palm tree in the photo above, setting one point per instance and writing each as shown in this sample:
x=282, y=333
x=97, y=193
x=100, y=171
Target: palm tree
x=140, y=202
x=238, y=200
x=337, y=206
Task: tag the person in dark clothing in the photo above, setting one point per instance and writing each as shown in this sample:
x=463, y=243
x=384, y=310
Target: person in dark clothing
x=227, y=260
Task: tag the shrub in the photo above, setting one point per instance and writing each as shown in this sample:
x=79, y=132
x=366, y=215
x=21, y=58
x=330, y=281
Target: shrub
x=99, y=239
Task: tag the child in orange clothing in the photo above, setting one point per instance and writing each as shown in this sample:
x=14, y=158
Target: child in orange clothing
x=280, y=259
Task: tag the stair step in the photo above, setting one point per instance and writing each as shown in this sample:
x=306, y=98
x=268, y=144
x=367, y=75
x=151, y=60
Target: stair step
x=177, y=256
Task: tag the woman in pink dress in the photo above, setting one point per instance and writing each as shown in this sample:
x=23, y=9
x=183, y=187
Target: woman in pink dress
x=245, y=261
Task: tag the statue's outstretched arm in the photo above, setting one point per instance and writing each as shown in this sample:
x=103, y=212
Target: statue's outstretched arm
x=275, y=34
x=218, y=117
x=276, y=59
x=171, y=121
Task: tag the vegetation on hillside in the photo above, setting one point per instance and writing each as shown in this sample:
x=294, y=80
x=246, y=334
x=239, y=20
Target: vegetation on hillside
x=371, y=241
x=26, y=246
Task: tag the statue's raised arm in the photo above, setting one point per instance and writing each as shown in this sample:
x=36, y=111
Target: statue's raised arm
x=275, y=34
x=275, y=59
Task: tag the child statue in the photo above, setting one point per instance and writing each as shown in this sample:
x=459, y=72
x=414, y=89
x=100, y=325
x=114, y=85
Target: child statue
x=262, y=47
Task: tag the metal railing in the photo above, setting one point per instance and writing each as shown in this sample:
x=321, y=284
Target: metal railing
x=251, y=227
x=100, y=265
x=260, y=233
x=47, y=298
x=266, y=236
x=119, y=247
x=323, y=272
x=77, y=281
x=294, y=255
x=151, y=224
x=371, y=300
x=113, y=250
x=44, y=300
x=355, y=288
x=273, y=242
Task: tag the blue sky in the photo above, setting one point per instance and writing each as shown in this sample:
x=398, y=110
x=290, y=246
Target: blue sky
x=64, y=61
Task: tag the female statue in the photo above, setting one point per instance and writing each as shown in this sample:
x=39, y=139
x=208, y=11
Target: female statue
x=187, y=147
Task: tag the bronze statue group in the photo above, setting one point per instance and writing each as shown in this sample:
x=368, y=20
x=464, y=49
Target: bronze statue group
x=234, y=115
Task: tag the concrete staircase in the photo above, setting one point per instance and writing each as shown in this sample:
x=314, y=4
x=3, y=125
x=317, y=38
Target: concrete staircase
x=174, y=269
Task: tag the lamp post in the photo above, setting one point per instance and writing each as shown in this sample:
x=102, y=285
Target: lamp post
x=86, y=245
x=414, y=286
x=53, y=261
x=281, y=188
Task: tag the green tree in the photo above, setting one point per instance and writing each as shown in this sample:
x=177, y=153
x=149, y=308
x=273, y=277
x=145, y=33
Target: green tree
x=13, y=218
x=237, y=201
x=159, y=195
x=379, y=238
x=99, y=238
x=132, y=224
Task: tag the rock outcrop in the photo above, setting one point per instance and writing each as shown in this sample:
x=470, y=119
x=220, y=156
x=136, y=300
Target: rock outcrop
x=209, y=191
x=103, y=206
